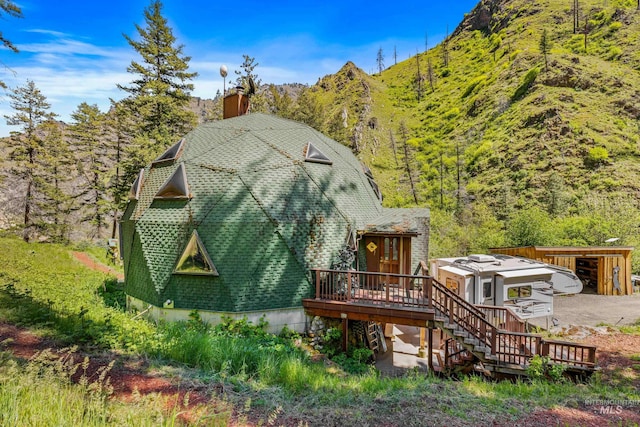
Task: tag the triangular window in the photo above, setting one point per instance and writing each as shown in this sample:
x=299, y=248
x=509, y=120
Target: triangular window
x=367, y=171
x=314, y=155
x=375, y=187
x=195, y=259
x=134, y=193
x=350, y=241
x=176, y=187
x=171, y=154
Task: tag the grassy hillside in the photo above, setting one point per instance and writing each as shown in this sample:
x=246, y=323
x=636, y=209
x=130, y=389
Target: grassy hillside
x=489, y=127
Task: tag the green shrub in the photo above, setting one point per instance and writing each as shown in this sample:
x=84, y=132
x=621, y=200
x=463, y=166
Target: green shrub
x=615, y=26
x=614, y=53
x=477, y=82
x=527, y=81
x=597, y=156
x=541, y=368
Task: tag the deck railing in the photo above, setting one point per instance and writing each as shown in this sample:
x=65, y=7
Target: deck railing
x=499, y=329
x=502, y=318
x=387, y=289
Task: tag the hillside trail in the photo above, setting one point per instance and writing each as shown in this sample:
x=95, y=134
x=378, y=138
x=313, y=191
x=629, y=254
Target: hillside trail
x=95, y=265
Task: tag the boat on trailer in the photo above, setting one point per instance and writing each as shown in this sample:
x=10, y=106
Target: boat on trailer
x=524, y=285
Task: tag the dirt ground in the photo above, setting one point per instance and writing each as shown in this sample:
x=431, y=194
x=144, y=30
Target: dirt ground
x=94, y=265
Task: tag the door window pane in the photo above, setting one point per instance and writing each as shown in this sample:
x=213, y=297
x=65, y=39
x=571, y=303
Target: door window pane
x=395, y=249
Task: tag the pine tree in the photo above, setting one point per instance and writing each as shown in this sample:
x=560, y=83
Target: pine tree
x=94, y=158
x=280, y=104
x=545, y=47
x=122, y=125
x=31, y=110
x=247, y=73
x=8, y=7
x=57, y=169
x=309, y=111
x=249, y=80
x=159, y=94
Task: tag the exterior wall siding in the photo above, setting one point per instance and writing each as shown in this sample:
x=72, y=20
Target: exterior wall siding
x=608, y=258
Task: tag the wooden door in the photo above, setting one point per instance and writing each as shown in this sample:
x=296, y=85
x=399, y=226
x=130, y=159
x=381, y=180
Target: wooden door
x=388, y=254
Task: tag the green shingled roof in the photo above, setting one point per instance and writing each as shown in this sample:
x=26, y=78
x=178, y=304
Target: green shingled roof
x=265, y=215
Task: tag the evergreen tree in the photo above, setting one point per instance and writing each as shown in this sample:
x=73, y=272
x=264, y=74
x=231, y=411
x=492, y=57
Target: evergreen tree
x=55, y=173
x=309, y=111
x=280, y=104
x=93, y=154
x=159, y=93
x=122, y=124
x=31, y=109
x=9, y=8
x=545, y=47
x=246, y=72
x=249, y=80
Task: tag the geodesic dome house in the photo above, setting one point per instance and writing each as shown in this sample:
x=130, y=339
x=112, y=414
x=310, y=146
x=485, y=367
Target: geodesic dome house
x=231, y=219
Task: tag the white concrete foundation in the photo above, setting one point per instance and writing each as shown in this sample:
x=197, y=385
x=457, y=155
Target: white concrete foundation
x=293, y=318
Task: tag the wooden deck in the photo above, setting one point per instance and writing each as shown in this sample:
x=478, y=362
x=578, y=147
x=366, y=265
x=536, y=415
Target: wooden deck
x=495, y=335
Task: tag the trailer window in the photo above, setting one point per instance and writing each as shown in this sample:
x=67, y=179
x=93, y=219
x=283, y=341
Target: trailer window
x=519, y=292
x=487, y=289
x=452, y=284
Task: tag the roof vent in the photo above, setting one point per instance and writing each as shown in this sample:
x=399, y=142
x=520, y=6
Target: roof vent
x=171, y=154
x=175, y=187
x=482, y=258
x=314, y=155
x=134, y=193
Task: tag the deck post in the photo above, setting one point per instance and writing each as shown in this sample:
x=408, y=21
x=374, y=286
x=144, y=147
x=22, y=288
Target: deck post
x=348, y=285
x=387, y=287
x=317, y=284
x=421, y=350
x=429, y=291
x=430, y=343
x=345, y=331
x=494, y=340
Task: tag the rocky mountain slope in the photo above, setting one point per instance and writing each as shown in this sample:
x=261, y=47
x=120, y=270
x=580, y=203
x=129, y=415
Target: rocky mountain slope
x=485, y=119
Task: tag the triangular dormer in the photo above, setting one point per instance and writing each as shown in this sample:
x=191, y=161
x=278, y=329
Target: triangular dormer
x=171, y=154
x=314, y=155
x=176, y=187
x=134, y=193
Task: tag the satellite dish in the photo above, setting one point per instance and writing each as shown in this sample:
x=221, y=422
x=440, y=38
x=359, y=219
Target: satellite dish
x=223, y=71
x=252, y=87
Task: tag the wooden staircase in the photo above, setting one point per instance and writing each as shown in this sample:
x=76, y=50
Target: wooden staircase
x=493, y=339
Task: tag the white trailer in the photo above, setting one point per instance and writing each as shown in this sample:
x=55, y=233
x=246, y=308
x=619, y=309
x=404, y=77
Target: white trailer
x=524, y=285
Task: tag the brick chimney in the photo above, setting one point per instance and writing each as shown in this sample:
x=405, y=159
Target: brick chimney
x=235, y=104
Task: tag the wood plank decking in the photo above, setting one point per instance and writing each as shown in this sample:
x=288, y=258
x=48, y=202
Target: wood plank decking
x=494, y=335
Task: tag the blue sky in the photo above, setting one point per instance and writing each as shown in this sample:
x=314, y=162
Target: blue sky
x=75, y=52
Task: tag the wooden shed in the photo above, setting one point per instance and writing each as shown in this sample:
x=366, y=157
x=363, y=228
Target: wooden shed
x=605, y=269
